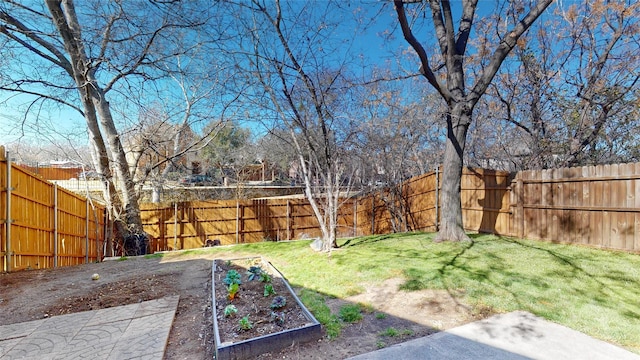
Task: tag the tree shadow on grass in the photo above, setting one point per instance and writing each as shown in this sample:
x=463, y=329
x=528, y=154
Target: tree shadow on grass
x=367, y=240
x=575, y=270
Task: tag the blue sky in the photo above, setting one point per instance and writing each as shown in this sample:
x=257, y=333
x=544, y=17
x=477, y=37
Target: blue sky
x=374, y=47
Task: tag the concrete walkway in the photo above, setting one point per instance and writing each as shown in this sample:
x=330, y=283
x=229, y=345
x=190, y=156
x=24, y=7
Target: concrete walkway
x=516, y=335
x=138, y=331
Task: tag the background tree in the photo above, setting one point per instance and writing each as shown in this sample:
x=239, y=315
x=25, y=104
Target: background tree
x=398, y=137
x=460, y=92
x=566, y=97
x=276, y=148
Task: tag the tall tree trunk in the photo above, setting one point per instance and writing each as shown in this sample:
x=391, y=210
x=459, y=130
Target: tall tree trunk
x=460, y=98
x=97, y=112
x=128, y=194
x=451, y=226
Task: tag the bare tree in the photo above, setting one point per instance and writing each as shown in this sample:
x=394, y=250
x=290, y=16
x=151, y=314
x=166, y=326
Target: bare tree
x=453, y=87
x=78, y=57
x=300, y=82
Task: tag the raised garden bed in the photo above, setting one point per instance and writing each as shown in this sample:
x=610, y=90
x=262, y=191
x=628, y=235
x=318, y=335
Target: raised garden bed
x=261, y=314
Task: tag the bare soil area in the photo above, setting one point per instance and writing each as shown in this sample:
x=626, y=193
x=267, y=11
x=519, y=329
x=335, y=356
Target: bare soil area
x=36, y=294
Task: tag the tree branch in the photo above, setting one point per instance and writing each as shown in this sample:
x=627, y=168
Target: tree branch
x=59, y=59
x=425, y=67
x=506, y=45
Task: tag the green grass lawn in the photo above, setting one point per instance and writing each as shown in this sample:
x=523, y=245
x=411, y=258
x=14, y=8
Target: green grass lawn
x=593, y=291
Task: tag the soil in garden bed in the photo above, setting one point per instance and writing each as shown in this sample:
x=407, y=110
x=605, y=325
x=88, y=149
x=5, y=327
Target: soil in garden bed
x=250, y=301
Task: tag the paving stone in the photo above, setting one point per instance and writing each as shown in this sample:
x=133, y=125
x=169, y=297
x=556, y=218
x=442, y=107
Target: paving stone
x=12, y=331
x=7, y=345
x=138, y=331
x=113, y=314
x=157, y=306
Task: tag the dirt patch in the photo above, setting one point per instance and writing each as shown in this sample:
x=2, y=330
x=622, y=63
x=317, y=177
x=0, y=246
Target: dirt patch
x=36, y=294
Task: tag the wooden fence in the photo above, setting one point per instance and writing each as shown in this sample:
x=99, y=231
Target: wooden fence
x=593, y=205
x=188, y=225
x=53, y=173
x=484, y=195
x=44, y=226
x=597, y=206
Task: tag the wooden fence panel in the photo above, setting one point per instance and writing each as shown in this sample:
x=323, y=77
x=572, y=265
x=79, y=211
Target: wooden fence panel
x=636, y=205
x=32, y=221
x=53, y=173
x=421, y=197
x=191, y=224
x=4, y=264
x=44, y=226
x=364, y=216
x=485, y=196
x=591, y=205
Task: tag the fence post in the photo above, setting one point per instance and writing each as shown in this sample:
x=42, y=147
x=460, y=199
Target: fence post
x=8, y=221
x=373, y=214
x=288, y=220
x=107, y=231
x=355, y=217
x=520, y=206
x=96, y=230
x=237, y=221
x=437, y=199
x=175, y=226
x=55, y=225
x=86, y=232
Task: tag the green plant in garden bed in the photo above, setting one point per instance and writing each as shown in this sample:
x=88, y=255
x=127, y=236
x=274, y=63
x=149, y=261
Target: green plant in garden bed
x=390, y=332
x=316, y=304
x=254, y=272
x=278, y=302
x=245, y=323
x=489, y=274
x=230, y=310
x=264, y=277
x=393, y=332
x=268, y=290
x=350, y=313
x=232, y=290
x=232, y=277
x=278, y=317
